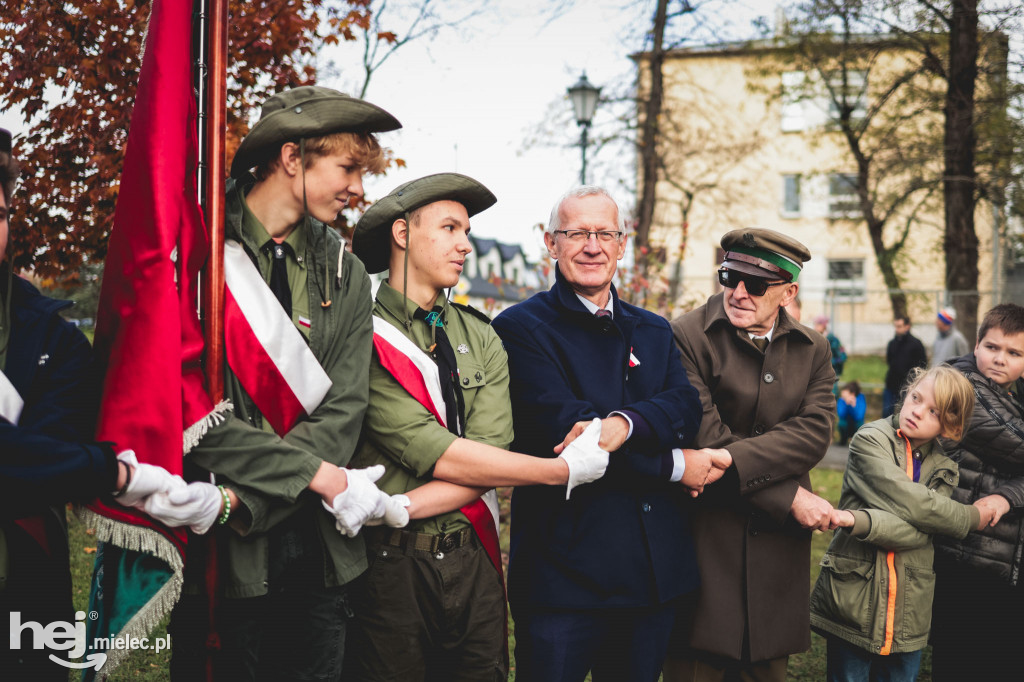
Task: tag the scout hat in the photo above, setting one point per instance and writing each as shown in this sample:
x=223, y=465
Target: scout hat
x=307, y=111
x=764, y=253
x=371, y=241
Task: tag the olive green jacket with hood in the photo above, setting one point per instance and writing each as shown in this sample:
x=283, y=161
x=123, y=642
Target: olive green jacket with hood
x=856, y=586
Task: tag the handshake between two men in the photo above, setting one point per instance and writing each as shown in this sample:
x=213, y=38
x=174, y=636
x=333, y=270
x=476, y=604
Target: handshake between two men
x=699, y=467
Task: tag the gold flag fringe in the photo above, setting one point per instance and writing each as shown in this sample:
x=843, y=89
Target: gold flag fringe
x=142, y=539
x=195, y=433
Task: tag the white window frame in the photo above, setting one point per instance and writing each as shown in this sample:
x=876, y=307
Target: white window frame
x=846, y=280
x=791, y=180
x=843, y=204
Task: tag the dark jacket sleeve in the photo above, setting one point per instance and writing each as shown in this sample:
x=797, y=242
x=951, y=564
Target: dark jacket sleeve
x=547, y=402
x=49, y=457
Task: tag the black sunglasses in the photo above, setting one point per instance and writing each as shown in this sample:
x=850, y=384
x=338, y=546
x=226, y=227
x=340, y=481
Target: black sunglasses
x=756, y=286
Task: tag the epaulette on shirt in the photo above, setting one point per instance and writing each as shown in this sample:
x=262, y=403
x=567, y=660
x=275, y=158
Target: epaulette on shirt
x=472, y=311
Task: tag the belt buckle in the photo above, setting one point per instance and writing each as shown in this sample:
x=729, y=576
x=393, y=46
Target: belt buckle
x=447, y=542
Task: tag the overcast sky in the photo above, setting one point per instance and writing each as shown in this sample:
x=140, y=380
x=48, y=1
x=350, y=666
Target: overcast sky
x=470, y=97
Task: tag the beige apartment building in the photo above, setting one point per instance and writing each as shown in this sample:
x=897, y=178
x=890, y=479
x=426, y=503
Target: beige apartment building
x=751, y=141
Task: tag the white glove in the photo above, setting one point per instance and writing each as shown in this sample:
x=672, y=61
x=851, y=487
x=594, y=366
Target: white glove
x=587, y=461
x=146, y=480
x=196, y=505
x=360, y=501
x=395, y=513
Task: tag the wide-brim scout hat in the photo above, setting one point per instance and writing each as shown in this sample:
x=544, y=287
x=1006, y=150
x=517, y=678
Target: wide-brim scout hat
x=371, y=241
x=764, y=253
x=303, y=112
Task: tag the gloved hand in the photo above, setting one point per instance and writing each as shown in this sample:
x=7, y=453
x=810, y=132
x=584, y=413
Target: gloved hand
x=395, y=513
x=146, y=480
x=360, y=501
x=196, y=505
x=587, y=461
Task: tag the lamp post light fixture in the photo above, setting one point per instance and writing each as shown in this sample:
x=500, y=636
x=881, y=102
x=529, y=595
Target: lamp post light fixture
x=584, y=102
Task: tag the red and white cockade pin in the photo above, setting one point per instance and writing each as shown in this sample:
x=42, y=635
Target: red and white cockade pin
x=633, y=362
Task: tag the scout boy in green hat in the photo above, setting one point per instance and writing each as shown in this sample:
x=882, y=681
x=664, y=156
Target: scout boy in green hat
x=297, y=338
x=439, y=418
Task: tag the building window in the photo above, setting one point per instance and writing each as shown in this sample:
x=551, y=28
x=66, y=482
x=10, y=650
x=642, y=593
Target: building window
x=842, y=196
x=790, y=196
x=846, y=280
x=853, y=95
x=793, y=101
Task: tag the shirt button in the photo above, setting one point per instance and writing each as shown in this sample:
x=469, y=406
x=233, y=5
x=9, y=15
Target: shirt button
x=758, y=430
x=646, y=507
x=465, y=381
x=769, y=377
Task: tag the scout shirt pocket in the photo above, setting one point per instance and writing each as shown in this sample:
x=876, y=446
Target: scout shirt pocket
x=845, y=592
x=471, y=378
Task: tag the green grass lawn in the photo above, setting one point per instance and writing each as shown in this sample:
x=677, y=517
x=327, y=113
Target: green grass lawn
x=150, y=667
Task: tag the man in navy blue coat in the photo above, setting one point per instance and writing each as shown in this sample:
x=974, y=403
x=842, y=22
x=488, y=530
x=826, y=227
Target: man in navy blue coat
x=593, y=580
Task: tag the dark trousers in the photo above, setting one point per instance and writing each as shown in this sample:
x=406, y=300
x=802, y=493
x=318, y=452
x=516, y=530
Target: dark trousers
x=849, y=663
x=423, y=617
x=38, y=589
x=294, y=632
x=977, y=625
x=556, y=645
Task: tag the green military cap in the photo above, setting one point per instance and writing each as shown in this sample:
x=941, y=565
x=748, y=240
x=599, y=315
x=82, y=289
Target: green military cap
x=307, y=111
x=764, y=253
x=371, y=241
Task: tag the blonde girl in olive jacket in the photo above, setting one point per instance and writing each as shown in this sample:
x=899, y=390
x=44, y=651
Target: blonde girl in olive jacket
x=873, y=598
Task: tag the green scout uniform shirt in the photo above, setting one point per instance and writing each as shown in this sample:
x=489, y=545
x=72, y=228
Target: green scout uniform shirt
x=403, y=435
x=270, y=474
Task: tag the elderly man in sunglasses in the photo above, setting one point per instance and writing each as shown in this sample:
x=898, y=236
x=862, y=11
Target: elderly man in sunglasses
x=765, y=383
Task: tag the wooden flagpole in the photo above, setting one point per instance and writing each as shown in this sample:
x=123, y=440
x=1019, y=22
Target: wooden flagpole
x=215, y=129
x=215, y=48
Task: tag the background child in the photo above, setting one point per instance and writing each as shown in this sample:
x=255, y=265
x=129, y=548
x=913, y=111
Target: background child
x=873, y=597
x=978, y=629
x=850, y=407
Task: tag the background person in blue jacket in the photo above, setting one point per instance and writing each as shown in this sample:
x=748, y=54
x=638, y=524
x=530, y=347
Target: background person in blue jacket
x=592, y=581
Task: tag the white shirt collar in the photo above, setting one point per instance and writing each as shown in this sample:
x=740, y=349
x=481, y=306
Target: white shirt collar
x=593, y=307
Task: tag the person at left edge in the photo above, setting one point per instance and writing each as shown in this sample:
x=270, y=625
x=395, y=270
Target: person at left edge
x=431, y=605
x=48, y=392
x=282, y=565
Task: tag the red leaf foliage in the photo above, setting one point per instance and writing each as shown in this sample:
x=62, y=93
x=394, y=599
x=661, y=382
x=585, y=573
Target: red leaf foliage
x=72, y=68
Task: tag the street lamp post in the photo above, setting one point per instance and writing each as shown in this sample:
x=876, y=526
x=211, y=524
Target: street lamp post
x=584, y=102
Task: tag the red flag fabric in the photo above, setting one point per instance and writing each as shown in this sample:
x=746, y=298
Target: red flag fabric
x=148, y=336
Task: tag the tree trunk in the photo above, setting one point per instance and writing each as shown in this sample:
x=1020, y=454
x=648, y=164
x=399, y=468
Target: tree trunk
x=961, y=240
x=649, y=138
x=883, y=257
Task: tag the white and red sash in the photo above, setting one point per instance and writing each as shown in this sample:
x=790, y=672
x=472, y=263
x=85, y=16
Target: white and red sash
x=416, y=372
x=264, y=349
x=11, y=402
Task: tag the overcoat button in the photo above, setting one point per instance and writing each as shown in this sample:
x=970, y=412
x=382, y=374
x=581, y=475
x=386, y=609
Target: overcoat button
x=769, y=377
x=646, y=507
